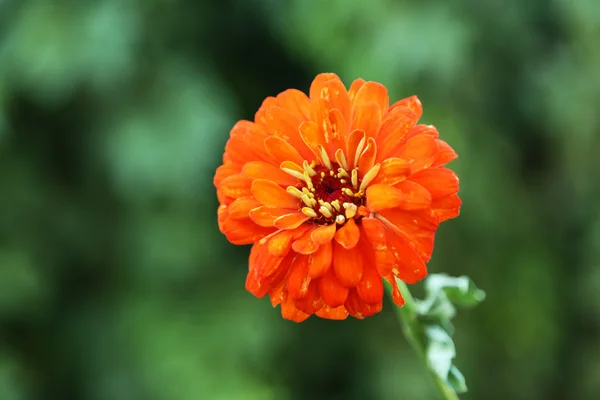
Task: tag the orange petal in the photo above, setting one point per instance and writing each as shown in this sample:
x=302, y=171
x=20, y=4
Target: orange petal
x=392, y=171
x=354, y=139
x=321, y=116
x=367, y=158
x=339, y=129
x=418, y=227
x=355, y=87
x=304, y=244
x=266, y=216
x=323, y=234
x=296, y=102
x=312, y=301
x=358, y=308
x=254, y=285
x=264, y=262
x=348, y=234
x=260, y=285
x=381, y=197
x=330, y=89
x=367, y=118
x=410, y=222
x=236, y=186
x=347, y=265
x=396, y=295
x=409, y=267
x=414, y=197
x=246, y=142
x=439, y=182
x=235, y=151
x=260, y=170
x=393, y=131
x=291, y=221
x=319, y=83
x=283, y=124
x=370, y=287
x=320, y=261
x=272, y=195
x=333, y=292
x=276, y=293
x=420, y=152
x=338, y=313
x=445, y=155
x=222, y=215
x=260, y=116
x=290, y=312
x=375, y=234
x=298, y=278
x=412, y=103
x=312, y=136
x=248, y=130
x=423, y=130
x=243, y=231
x=279, y=150
x=447, y=207
x=372, y=92
x=241, y=207
x=224, y=171
x=281, y=243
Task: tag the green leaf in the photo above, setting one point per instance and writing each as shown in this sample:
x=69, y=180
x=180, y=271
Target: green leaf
x=436, y=308
x=440, y=350
x=456, y=380
x=461, y=291
x=443, y=294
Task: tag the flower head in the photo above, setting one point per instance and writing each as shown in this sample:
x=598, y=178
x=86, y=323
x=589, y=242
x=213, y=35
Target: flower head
x=336, y=191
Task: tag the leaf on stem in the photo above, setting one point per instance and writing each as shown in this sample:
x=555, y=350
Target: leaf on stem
x=433, y=317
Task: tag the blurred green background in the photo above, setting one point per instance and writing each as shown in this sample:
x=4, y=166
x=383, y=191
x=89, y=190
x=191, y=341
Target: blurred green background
x=115, y=283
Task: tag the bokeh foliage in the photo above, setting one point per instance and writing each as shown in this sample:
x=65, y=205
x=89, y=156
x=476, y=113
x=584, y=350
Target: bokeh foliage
x=114, y=280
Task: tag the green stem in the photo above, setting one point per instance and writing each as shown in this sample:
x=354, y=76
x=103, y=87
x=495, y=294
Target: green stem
x=407, y=316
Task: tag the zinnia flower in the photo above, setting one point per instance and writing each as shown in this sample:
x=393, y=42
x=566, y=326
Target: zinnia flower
x=336, y=192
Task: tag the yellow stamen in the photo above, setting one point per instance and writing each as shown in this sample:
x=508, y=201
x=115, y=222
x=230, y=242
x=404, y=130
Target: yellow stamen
x=307, y=200
x=309, y=168
x=341, y=158
x=348, y=191
x=325, y=212
x=324, y=157
x=340, y=219
x=328, y=206
x=369, y=176
x=355, y=178
x=350, y=210
x=359, y=150
x=343, y=173
x=308, y=180
x=336, y=205
x=293, y=173
x=309, y=212
x=294, y=191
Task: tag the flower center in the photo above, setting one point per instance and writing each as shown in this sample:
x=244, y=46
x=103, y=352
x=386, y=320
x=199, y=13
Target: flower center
x=329, y=193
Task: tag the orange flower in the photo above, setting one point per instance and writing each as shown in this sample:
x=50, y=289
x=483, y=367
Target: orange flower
x=336, y=192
